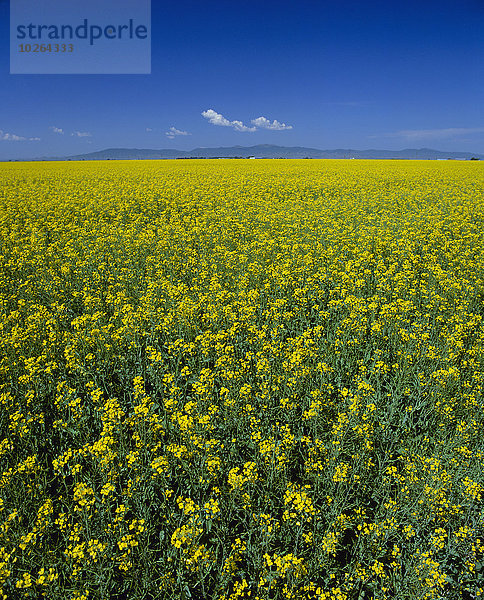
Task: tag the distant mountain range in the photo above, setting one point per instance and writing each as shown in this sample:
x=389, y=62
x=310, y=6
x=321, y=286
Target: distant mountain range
x=268, y=151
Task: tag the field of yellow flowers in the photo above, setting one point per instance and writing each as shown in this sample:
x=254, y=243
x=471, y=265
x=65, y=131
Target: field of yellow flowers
x=242, y=379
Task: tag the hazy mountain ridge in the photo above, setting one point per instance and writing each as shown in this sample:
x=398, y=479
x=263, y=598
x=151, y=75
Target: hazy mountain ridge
x=267, y=151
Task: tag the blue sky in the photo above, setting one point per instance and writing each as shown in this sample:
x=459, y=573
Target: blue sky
x=324, y=74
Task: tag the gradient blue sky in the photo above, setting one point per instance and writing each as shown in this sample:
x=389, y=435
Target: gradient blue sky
x=353, y=74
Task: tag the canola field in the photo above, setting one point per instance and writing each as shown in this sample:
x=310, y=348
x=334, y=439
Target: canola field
x=242, y=379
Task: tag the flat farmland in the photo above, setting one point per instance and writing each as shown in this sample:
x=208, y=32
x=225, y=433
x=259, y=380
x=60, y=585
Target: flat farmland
x=242, y=379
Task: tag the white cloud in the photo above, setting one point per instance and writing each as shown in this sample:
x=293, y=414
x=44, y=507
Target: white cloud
x=12, y=137
x=81, y=134
x=57, y=130
x=149, y=129
x=432, y=134
x=216, y=118
x=173, y=131
x=239, y=126
x=264, y=123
